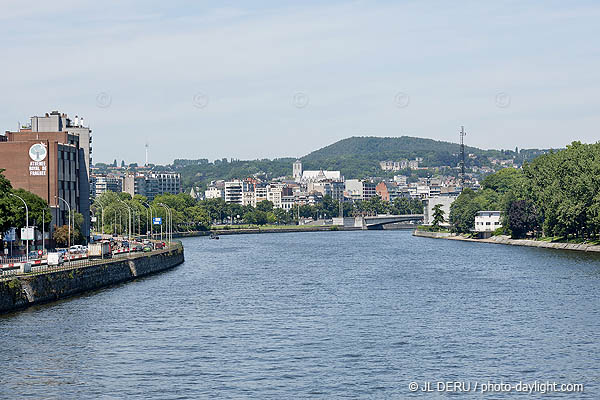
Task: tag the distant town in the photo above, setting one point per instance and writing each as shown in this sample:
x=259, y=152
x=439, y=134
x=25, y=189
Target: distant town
x=50, y=158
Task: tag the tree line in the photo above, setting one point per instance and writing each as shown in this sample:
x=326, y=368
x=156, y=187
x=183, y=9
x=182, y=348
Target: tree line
x=555, y=195
x=189, y=214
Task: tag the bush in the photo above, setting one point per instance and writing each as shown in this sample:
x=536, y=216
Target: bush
x=500, y=231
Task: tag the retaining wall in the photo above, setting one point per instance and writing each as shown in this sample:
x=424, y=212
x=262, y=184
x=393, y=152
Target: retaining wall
x=513, y=242
x=26, y=290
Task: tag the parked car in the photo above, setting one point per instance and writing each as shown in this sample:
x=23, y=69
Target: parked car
x=147, y=249
x=125, y=244
x=137, y=247
x=159, y=245
x=76, y=249
x=34, y=254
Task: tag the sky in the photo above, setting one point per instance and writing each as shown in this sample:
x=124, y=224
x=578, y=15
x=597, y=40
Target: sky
x=266, y=79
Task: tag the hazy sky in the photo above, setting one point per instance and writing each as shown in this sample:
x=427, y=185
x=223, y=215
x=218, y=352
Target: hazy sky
x=213, y=79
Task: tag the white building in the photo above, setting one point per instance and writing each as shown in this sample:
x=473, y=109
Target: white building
x=360, y=190
x=260, y=194
x=487, y=221
x=105, y=184
x=274, y=194
x=213, y=192
x=428, y=204
x=318, y=176
x=233, y=191
x=401, y=180
x=248, y=198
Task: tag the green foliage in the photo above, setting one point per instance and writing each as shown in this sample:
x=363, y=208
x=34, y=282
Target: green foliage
x=521, y=218
x=265, y=205
x=565, y=188
x=438, y=215
x=355, y=157
x=12, y=211
x=256, y=217
x=505, y=180
x=558, y=191
x=61, y=236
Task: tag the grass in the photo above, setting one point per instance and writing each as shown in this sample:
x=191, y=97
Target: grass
x=430, y=228
x=562, y=239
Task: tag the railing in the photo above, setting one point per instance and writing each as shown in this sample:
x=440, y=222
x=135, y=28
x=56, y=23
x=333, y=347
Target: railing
x=12, y=272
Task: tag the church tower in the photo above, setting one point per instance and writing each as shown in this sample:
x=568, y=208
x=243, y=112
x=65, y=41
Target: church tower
x=297, y=168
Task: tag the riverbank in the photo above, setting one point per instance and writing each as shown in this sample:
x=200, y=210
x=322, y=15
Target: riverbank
x=513, y=242
x=26, y=290
x=245, y=231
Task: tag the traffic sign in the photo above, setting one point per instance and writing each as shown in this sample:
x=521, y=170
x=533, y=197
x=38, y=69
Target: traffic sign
x=157, y=221
x=27, y=233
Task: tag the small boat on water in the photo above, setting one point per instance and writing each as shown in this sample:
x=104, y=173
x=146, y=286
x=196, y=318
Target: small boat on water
x=214, y=236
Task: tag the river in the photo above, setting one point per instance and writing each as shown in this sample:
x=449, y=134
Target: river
x=317, y=315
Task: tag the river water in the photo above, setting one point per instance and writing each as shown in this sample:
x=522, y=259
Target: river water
x=317, y=315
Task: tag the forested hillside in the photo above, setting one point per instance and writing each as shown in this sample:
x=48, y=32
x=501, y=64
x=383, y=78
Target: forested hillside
x=355, y=157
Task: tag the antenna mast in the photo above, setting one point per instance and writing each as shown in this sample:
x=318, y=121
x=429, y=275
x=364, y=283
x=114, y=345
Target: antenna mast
x=146, y=153
x=462, y=155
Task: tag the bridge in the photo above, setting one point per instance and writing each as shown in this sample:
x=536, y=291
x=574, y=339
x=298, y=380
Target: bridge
x=376, y=221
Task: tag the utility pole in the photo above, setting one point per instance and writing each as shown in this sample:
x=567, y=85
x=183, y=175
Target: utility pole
x=462, y=155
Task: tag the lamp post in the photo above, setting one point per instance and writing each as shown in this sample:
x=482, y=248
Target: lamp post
x=151, y=220
x=69, y=221
x=129, y=219
x=43, y=231
x=102, y=217
x=169, y=223
x=26, y=222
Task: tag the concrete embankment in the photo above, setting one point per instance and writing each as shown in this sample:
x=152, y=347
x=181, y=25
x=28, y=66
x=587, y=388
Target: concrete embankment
x=319, y=228
x=513, y=242
x=25, y=290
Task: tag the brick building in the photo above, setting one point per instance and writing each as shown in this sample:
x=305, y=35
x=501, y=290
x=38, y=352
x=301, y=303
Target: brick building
x=51, y=159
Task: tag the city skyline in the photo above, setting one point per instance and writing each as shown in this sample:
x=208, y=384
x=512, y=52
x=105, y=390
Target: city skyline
x=281, y=80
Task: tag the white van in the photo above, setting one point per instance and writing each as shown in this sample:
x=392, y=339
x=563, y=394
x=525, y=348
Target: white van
x=55, y=259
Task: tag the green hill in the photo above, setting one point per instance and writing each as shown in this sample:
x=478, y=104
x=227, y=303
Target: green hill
x=360, y=156
x=390, y=148
x=355, y=157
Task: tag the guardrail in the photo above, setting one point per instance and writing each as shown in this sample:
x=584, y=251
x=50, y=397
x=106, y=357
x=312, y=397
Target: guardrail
x=9, y=271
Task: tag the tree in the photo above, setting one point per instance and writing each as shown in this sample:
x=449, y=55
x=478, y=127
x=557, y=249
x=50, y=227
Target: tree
x=61, y=236
x=282, y=216
x=521, y=218
x=6, y=216
x=256, y=217
x=265, y=206
x=438, y=215
x=463, y=210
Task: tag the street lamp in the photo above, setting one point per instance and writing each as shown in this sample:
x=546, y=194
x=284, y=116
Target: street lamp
x=169, y=223
x=26, y=222
x=102, y=217
x=69, y=221
x=151, y=220
x=129, y=219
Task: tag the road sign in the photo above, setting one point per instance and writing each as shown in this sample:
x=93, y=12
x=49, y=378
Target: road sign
x=27, y=233
x=9, y=235
x=157, y=221
x=40, y=252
